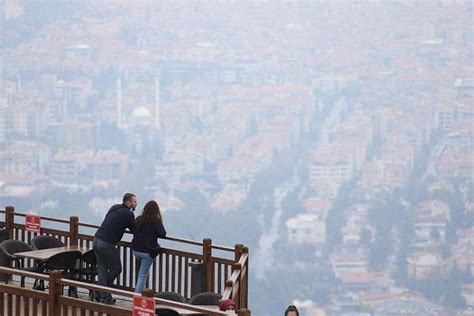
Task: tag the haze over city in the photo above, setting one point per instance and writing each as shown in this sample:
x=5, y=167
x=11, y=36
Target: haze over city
x=333, y=139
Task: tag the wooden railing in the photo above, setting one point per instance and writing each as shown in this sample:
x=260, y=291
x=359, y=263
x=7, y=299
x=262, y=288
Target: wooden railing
x=171, y=271
x=52, y=301
x=237, y=285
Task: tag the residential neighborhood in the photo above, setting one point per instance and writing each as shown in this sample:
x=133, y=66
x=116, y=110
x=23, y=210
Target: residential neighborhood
x=339, y=136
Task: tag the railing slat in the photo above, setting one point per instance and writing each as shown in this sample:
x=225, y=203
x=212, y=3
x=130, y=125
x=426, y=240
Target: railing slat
x=3, y=306
x=26, y=306
x=160, y=274
x=44, y=308
x=186, y=279
x=18, y=305
x=219, y=277
x=167, y=273
x=34, y=308
x=9, y=304
x=180, y=275
x=173, y=273
x=123, y=251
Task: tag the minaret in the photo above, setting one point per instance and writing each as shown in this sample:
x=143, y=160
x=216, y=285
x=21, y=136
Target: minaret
x=18, y=83
x=119, y=102
x=157, y=102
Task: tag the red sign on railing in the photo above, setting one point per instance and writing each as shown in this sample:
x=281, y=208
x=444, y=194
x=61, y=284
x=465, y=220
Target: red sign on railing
x=143, y=306
x=33, y=223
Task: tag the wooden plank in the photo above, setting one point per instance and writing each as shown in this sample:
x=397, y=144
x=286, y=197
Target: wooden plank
x=34, y=307
x=125, y=265
x=44, y=308
x=219, y=278
x=17, y=305
x=26, y=308
x=173, y=273
x=167, y=275
x=2, y=303
x=186, y=277
x=180, y=273
x=226, y=273
x=9, y=304
x=160, y=273
x=153, y=275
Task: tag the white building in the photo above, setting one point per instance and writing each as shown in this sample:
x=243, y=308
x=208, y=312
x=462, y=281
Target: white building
x=467, y=291
x=306, y=228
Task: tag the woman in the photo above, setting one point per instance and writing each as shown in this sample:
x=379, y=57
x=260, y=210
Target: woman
x=292, y=311
x=147, y=229
x=226, y=305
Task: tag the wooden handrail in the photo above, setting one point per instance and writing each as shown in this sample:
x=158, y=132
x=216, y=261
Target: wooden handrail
x=181, y=253
x=88, y=225
x=233, y=283
x=223, y=248
x=184, y=241
x=33, y=275
x=177, y=239
x=128, y=294
x=221, y=260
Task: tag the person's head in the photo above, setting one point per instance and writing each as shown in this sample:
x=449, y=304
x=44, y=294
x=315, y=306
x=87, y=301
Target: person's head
x=227, y=305
x=151, y=213
x=130, y=201
x=292, y=311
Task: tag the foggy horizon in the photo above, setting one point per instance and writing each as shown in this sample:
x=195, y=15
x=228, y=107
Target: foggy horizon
x=333, y=139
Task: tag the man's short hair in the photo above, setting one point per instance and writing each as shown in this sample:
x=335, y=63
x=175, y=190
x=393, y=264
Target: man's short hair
x=127, y=197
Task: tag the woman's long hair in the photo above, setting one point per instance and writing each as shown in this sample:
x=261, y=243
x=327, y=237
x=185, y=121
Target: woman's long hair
x=151, y=214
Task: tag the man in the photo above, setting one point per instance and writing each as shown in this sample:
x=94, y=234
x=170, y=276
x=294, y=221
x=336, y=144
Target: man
x=110, y=232
x=292, y=311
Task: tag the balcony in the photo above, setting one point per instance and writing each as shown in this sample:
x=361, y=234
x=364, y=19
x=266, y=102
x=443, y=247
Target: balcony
x=224, y=271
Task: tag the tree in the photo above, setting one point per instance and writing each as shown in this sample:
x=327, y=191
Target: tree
x=335, y=217
x=110, y=137
x=381, y=248
x=459, y=219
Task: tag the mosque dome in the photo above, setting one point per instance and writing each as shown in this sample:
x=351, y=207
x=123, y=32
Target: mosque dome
x=141, y=113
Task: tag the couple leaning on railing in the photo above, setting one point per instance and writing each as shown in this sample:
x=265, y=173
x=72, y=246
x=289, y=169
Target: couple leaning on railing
x=146, y=229
x=177, y=270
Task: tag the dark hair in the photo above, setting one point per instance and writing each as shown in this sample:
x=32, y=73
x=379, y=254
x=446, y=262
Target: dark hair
x=292, y=308
x=151, y=214
x=127, y=197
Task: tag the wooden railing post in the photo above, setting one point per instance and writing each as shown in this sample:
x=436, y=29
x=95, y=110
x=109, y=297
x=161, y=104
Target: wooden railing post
x=238, y=252
x=244, y=281
x=54, y=292
x=243, y=312
x=238, y=249
x=208, y=265
x=9, y=221
x=73, y=230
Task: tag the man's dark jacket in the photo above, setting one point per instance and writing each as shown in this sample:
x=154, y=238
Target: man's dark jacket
x=117, y=219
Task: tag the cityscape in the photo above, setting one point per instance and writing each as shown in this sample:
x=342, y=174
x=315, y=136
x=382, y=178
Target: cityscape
x=334, y=139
